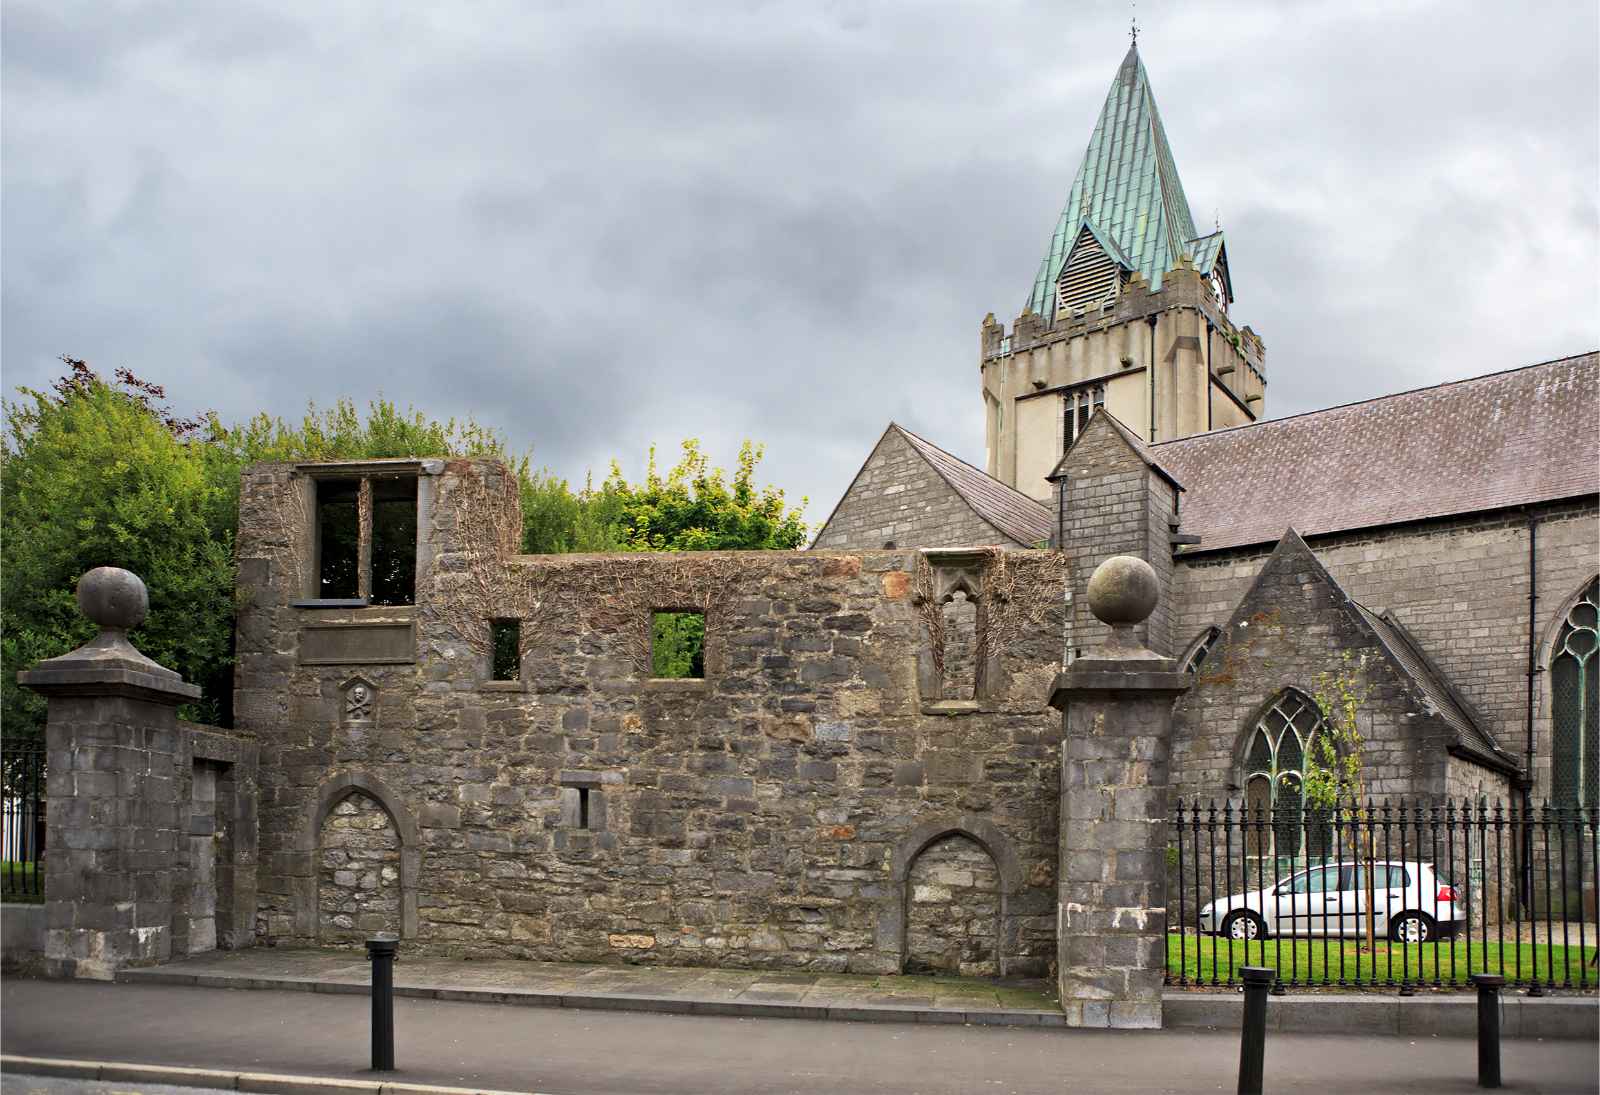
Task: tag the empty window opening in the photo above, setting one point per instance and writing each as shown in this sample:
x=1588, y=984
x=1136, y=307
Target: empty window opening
x=678, y=645
x=583, y=807
x=394, y=541
x=338, y=538
x=506, y=658
x=367, y=540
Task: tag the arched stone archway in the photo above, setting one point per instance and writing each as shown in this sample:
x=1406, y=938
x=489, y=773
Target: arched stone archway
x=953, y=909
x=376, y=832
x=975, y=859
x=358, y=871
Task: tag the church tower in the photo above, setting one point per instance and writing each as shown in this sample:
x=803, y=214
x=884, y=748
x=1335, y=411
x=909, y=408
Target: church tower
x=1129, y=310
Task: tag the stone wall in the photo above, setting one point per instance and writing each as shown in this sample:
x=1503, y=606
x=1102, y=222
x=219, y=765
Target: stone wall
x=358, y=864
x=898, y=497
x=1460, y=587
x=1109, y=500
x=953, y=910
x=1294, y=630
x=758, y=817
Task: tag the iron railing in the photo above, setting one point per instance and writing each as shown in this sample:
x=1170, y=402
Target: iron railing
x=1454, y=889
x=22, y=828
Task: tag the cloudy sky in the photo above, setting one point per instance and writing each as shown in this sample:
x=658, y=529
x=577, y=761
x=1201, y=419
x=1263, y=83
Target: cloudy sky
x=598, y=225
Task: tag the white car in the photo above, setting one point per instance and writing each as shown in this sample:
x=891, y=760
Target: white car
x=1412, y=905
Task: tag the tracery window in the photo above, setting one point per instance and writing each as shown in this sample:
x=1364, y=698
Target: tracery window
x=1078, y=407
x=1575, y=686
x=1274, y=766
x=1200, y=648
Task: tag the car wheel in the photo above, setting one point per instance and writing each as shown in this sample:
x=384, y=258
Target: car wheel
x=1412, y=927
x=1243, y=925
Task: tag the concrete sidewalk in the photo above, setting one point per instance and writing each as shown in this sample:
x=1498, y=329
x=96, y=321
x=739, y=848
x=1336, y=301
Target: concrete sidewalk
x=573, y=1052
x=662, y=989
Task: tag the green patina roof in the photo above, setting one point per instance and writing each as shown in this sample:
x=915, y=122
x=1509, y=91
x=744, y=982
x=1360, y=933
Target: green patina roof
x=1127, y=192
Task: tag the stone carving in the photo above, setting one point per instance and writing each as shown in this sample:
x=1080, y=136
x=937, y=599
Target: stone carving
x=358, y=700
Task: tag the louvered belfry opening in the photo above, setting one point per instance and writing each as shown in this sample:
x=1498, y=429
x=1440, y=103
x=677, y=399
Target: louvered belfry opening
x=1089, y=277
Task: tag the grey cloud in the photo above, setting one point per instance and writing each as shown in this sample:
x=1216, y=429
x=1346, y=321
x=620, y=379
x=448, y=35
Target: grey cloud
x=598, y=226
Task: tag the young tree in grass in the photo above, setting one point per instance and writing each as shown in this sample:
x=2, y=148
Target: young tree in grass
x=1335, y=767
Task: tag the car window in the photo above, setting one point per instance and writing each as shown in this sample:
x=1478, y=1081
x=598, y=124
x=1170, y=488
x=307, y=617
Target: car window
x=1300, y=883
x=1323, y=880
x=1390, y=876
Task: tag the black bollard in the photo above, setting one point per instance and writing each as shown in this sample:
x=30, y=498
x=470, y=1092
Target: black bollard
x=1253, y=1035
x=381, y=951
x=1488, y=1027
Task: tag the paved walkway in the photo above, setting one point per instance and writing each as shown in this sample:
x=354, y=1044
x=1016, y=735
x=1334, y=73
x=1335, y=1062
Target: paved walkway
x=752, y=993
x=570, y=1052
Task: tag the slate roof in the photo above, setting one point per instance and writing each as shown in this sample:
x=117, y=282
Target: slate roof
x=1008, y=510
x=1126, y=189
x=1507, y=439
x=1470, y=737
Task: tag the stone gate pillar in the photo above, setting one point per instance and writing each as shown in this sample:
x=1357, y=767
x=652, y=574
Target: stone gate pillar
x=112, y=809
x=1111, y=917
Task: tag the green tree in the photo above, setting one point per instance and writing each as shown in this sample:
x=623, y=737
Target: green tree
x=695, y=508
x=100, y=474
x=1335, y=766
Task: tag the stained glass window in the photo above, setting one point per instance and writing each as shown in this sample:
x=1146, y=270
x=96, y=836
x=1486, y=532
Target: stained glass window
x=1575, y=685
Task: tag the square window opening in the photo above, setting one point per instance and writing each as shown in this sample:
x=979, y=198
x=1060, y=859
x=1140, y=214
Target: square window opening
x=366, y=540
x=506, y=658
x=678, y=645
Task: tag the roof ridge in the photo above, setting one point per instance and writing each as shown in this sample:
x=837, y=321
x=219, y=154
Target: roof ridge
x=1229, y=430
x=1037, y=518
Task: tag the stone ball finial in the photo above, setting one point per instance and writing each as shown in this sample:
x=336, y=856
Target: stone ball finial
x=114, y=598
x=1123, y=590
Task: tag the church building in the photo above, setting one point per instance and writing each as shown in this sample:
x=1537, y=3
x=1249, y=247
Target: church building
x=1435, y=549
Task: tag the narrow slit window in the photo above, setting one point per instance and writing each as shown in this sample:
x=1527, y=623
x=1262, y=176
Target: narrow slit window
x=678, y=645
x=506, y=660
x=583, y=807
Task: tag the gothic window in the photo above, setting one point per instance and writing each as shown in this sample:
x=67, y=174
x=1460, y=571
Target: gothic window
x=1200, y=648
x=1575, y=685
x=1079, y=405
x=1274, y=762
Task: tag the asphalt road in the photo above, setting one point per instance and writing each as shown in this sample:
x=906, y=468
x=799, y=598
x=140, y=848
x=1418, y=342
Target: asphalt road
x=581, y=1052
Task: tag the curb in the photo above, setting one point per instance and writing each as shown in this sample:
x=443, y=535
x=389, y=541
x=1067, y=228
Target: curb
x=264, y=1083
x=1454, y=1016
x=606, y=1001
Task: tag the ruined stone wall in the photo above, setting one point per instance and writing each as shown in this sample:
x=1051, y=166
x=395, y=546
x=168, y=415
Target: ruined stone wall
x=953, y=910
x=1460, y=587
x=898, y=497
x=764, y=816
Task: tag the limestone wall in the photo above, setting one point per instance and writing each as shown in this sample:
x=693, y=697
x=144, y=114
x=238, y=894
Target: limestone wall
x=1459, y=587
x=767, y=815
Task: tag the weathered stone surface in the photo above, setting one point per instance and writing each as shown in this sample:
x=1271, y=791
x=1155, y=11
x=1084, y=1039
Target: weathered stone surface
x=748, y=819
x=358, y=872
x=953, y=914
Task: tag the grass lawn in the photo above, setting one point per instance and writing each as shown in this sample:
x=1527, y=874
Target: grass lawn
x=18, y=882
x=1304, y=961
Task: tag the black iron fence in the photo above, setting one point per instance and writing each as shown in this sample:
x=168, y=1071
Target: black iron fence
x=1395, y=895
x=22, y=790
